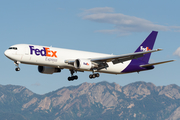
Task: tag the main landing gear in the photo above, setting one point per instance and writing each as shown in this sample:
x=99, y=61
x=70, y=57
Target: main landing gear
x=72, y=77
x=94, y=75
x=75, y=77
x=17, y=64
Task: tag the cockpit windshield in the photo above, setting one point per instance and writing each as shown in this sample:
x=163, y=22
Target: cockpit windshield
x=14, y=48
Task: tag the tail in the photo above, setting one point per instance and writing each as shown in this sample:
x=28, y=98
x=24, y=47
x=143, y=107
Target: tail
x=147, y=44
x=142, y=63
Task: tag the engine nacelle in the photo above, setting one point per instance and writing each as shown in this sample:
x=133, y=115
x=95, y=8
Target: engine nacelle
x=48, y=70
x=83, y=64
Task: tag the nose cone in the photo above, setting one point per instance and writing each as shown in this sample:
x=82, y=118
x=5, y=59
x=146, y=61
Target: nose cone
x=7, y=53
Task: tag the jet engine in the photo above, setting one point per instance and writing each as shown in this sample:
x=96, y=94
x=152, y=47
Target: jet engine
x=48, y=70
x=83, y=64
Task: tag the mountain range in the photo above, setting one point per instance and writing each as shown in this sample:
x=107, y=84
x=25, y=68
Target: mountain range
x=97, y=101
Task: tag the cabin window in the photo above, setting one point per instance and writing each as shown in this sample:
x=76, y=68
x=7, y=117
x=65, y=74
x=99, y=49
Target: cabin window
x=14, y=48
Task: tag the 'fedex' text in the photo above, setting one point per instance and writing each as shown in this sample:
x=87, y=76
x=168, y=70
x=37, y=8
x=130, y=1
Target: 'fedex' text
x=43, y=52
x=144, y=49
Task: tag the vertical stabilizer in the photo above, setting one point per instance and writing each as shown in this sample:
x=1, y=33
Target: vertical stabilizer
x=147, y=44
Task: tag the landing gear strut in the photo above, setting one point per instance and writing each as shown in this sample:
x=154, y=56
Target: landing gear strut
x=72, y=77
x=94, y=75
x=17, y=64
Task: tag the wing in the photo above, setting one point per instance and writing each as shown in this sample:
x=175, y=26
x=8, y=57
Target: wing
x=122, y=58
x=117, y=58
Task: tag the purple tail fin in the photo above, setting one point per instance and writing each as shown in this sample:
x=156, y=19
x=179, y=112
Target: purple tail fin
x=147, y=44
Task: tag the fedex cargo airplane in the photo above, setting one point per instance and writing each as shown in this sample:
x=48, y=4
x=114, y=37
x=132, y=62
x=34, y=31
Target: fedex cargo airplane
x=52, y=60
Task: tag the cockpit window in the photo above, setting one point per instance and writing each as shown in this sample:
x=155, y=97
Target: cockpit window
x=14, y=48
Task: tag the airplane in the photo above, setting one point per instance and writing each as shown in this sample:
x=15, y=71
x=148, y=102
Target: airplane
x=52, y=60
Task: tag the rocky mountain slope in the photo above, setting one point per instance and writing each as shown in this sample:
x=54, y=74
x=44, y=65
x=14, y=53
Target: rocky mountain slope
x=99, y=101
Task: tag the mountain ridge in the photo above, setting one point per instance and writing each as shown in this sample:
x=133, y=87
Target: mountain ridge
x=103, y=100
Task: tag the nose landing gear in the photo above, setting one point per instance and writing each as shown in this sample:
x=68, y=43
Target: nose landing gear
x=17, y=64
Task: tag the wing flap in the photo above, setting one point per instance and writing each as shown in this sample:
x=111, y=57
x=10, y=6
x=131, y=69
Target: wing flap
x=121, y=60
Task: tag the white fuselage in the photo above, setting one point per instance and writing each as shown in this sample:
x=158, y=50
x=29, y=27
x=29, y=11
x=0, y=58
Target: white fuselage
x=56, y=57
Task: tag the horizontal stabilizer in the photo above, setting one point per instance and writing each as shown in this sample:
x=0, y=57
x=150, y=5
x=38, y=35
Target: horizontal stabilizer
x=147, y=65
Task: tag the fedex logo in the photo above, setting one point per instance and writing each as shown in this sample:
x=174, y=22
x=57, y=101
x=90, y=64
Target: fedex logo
x=43, y=52
x=86, y=63
x=144, y=49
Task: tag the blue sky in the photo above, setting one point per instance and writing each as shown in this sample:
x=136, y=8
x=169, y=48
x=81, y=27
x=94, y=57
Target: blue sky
x=103, y=26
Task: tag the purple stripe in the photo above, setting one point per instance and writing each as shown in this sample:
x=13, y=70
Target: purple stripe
x=134, y=66
x=147, y=44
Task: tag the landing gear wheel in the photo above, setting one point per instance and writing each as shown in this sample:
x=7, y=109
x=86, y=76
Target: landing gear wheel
x=17, y=69
x=72, y=78
x=75, y=77
x=90, y=76
x=97, y=74
x=94, y=75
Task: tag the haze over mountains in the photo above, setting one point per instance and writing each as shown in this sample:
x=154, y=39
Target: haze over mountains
x=99, y=101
